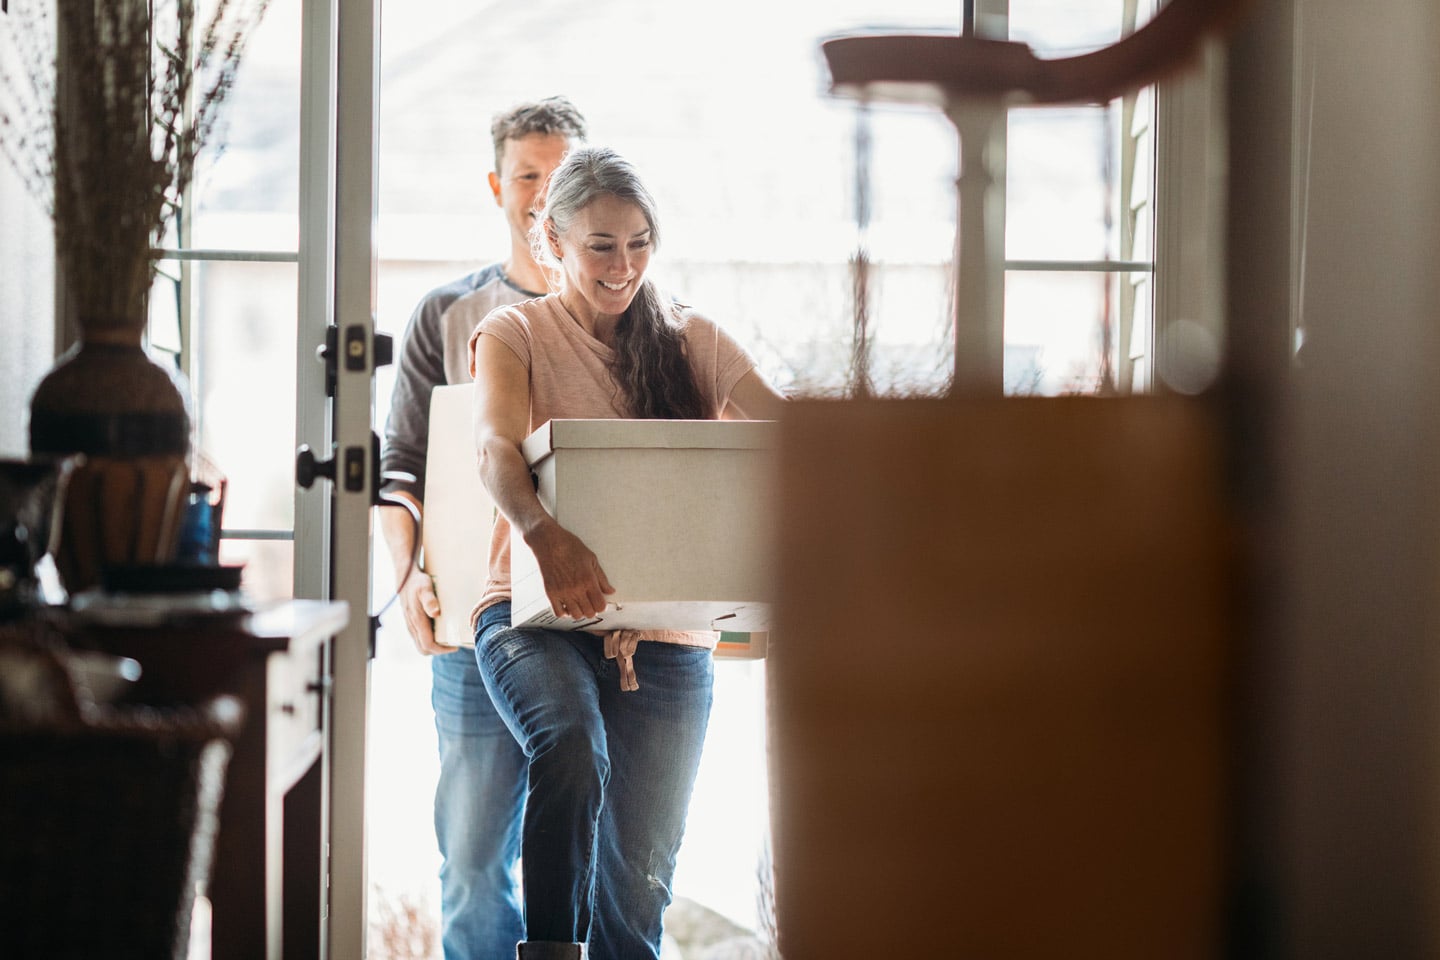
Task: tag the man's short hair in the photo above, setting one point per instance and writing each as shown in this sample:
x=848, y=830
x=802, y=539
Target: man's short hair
x=553, y=116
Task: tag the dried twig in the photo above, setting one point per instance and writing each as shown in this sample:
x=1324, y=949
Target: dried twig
x=405, y=928
x=110, y=145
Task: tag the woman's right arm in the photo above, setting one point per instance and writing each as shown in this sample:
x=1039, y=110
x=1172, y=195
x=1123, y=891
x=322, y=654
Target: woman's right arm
x=752, y=398
x=574, y=582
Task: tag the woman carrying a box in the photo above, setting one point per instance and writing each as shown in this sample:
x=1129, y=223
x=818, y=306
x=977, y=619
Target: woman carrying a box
x=612, y=727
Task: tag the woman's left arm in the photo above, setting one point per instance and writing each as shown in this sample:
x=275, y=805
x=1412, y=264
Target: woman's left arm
x=752, y=398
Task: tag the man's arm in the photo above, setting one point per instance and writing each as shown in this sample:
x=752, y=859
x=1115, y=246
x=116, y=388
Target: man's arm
x=420, y=369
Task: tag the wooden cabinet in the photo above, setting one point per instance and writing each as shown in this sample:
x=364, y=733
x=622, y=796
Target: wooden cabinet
x=268, y=878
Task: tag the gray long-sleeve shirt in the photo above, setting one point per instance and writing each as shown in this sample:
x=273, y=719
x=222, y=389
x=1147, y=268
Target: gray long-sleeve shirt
x=434, y=353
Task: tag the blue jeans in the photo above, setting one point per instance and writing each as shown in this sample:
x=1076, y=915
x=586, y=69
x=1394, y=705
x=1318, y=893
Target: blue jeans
x=610, y=775
x=478, y=807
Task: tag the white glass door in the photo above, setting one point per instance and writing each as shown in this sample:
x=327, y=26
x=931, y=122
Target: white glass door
x=271, y=259
x=338, y=261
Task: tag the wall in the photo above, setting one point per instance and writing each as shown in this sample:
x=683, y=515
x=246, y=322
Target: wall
x=1340, y=835
x=1366, y=715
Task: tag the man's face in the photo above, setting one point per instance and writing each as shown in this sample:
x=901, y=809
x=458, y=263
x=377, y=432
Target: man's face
x=525, y=168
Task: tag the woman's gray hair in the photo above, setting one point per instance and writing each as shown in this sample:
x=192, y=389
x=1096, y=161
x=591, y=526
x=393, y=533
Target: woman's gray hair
x=586, y=174
x=650, y=364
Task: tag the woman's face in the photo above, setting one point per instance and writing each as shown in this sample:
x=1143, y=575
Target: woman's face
x=604, y=254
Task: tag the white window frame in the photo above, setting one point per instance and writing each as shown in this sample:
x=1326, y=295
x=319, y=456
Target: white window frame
x=1188, y=224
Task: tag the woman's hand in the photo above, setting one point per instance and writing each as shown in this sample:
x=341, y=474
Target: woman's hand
x=574, y=582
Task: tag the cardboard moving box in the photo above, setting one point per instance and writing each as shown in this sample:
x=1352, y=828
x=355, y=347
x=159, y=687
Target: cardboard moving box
x=680, y=514
x=459, y=515
x=455, y=530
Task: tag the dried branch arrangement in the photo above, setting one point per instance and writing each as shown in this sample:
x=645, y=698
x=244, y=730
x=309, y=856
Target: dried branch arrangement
x=110, y=143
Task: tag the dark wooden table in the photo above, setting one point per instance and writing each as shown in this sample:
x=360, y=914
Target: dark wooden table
x=267, y=882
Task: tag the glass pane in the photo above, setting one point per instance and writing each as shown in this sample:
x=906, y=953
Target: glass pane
x=1142, y=326
x=849, y=16
x=794, y=317
x=1057, y=28
x=912, y=346
x=163, y=328
x=1062, y=191
x=1060, y=332
x=244, y=385
x=246, y=189
x=911, y=242
x=269, y=567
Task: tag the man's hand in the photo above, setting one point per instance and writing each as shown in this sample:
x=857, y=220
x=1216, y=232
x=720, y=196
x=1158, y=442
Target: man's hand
x=417, y=592
x=421, y=606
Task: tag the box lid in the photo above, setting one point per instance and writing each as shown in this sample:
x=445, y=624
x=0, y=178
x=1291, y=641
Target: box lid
x=649, y=434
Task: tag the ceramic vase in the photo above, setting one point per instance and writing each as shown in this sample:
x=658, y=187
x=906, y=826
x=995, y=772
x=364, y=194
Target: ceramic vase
x=108, y=401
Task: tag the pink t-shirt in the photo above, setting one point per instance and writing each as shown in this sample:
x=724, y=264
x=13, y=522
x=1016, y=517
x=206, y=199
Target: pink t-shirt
x=570, y=379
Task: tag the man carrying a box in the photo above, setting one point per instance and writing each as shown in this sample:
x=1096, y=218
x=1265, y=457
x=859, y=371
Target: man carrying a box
x=480, y=796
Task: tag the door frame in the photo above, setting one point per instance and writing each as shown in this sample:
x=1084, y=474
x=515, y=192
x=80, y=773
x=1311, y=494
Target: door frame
x=339, y=109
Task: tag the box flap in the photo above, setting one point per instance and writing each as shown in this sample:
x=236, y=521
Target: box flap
x=653, y=434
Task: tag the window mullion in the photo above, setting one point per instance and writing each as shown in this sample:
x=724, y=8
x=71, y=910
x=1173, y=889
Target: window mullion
x=184, y=237
x=1190, y=172
x=189, y=254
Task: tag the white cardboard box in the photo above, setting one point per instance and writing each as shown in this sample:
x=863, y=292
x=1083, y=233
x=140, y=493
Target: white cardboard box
x=680, y=514
x=458, y=515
